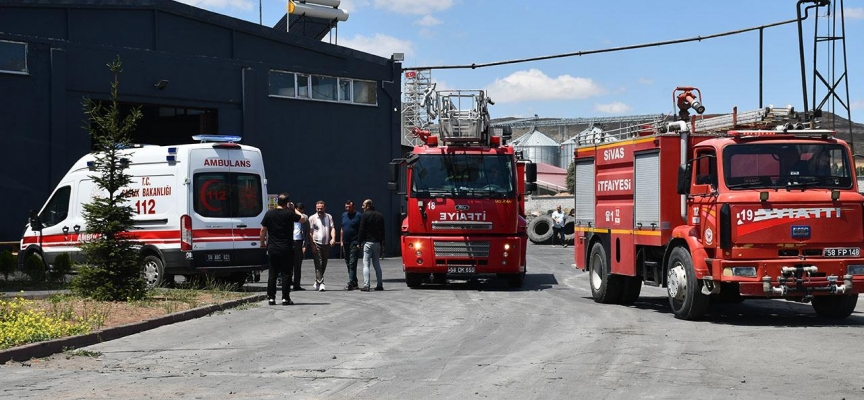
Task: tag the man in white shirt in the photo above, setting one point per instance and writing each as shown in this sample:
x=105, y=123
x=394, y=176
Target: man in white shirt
x=558, y=226
x=322, y=235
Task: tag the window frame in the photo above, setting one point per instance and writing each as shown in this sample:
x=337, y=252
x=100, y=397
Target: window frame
x=26, y=70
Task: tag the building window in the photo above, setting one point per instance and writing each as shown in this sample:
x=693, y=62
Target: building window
x=303, y=86
x=324, y=88
x=345, y=90
x=13, y=57
x=282, y=84
x=365, y=93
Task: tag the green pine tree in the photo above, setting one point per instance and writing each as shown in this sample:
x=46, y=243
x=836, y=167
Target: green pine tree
x=112, y=271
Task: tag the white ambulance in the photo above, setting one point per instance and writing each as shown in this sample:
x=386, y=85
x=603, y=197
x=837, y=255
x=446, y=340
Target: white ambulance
x=199, y=209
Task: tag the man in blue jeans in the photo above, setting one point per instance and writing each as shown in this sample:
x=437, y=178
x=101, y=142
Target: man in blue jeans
x=350, y=226
x=371, y=237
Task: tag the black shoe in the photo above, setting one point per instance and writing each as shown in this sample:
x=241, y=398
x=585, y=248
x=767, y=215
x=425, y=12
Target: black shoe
x=287, y=302
x=272, y=302
x=364, y=289
x=349, y=287
x=296, y=288
x=379, y=288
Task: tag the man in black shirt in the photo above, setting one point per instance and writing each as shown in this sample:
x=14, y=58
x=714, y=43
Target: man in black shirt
x=277, y=236
x=371, y=237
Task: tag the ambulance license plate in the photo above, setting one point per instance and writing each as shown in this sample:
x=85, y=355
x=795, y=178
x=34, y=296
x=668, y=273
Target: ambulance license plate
x=841, y=252
x=218, y=257
x=460, y=270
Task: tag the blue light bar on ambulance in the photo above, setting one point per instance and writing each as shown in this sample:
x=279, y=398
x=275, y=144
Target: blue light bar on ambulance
x=91, y=165
x=217, y=138
x=172, y=154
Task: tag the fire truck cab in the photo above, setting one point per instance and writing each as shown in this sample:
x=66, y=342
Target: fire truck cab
x=748, y=205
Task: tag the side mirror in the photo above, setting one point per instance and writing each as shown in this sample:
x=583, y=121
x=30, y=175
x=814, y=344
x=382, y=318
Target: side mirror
x=530, y=187
x=35, y=221
x=530, y=174
x=393, y=183
x=684, y=173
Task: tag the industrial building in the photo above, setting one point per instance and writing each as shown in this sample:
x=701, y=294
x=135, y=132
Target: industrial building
x=325, y=117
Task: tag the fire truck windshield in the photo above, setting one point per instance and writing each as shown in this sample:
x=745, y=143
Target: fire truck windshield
x=463, y=176
x=790, y=166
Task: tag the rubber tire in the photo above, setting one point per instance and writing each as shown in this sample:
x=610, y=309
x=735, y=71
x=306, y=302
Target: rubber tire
x=631, y=288
x=439, y=278
x=605, y=287
x=515, y=280
x=414, y=280
x=153, y=270
x=540, y=230
x=695, y=304
x=835, y=307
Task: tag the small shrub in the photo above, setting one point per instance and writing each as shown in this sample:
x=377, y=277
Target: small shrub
x=7, y=263
x=22, y=324
x=34, y=268
x=62, y=267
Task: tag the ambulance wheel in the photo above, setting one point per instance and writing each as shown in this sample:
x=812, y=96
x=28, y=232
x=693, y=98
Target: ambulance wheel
x=516, y=280
x=540, y=229
x=835, y=307
x=153, y=270
x=684, y=290
x=413, y=280
x=631, y=288
x=605, y=287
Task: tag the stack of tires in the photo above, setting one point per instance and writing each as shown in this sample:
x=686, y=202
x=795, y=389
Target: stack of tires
x=540, y=229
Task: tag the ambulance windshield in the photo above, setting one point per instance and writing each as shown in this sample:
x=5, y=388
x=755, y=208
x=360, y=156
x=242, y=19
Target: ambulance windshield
x=791, y=166
x=463, y=176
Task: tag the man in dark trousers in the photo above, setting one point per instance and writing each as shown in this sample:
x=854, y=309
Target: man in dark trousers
x=371, y=237
x=277, y=236
x=350, y=225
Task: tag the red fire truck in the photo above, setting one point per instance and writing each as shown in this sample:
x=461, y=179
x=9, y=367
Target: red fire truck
x=744, y=205
x=465, y=190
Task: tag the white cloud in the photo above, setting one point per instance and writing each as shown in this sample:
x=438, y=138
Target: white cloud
x=535, y=85
x=616, y=107
x=427, y=20
x=380, y=45
x=646, y=81
x=353, y=5
x=413, y=6
x=857, y=105
x=221, y=4
x=854, y=13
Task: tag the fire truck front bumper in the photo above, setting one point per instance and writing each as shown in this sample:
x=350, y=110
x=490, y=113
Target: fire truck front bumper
x=782, y=278
x=464, y=256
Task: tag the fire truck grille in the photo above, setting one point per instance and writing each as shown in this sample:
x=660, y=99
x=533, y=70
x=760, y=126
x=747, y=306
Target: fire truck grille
x=461, y=249
x=462, y=225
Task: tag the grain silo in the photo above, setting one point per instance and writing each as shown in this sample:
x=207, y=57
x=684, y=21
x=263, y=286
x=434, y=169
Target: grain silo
x=539, y=148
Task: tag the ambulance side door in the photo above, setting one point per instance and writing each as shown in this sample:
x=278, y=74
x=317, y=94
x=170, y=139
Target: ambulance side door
x=248, y=191
x=210, y=201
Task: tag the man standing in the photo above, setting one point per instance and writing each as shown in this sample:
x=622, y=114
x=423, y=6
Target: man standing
x=322, y=234
x=350, y=225
x=371, y=236
x=558, y=226
x=301, y=231
x=276, y=236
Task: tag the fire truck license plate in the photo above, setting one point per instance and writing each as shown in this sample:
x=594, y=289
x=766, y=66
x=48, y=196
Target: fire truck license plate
x=842, y=252
x=460, y=270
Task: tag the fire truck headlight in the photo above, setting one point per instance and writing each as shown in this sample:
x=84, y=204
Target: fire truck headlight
x=505, y=254
x=506, y=246
x=504, y=262
x=855, y=270
x=419, y=261
x=418, y=253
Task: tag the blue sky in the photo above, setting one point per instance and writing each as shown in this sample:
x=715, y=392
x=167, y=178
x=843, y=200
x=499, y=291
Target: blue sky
x=448, y=32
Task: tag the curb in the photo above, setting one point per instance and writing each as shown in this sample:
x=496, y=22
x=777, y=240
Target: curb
x=49, y=347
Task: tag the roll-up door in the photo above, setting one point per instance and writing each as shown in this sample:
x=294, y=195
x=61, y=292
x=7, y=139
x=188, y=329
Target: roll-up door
x=646, y=185
x=583, y=176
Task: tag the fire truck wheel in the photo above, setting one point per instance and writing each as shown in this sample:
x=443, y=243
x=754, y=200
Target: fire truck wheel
x=153, y=271
x=835, y=307
x=413, y=280
x=605, y=287
x=631, y=288
x=540, y=229
x=684, y=290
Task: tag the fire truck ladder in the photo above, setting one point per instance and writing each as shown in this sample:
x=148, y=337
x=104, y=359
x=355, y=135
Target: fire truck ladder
x=463, y=115
x=768, y=117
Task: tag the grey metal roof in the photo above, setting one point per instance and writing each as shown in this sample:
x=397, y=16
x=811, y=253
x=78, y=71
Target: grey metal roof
x=536, y=138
